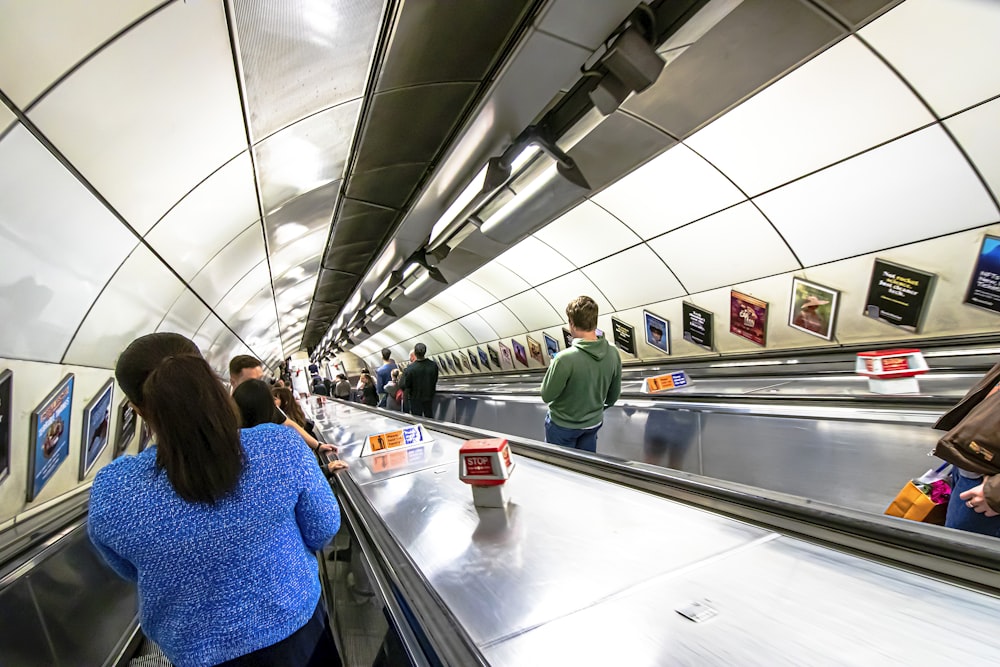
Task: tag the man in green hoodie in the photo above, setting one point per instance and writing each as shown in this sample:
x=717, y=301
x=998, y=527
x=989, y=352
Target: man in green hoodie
x=582, y=381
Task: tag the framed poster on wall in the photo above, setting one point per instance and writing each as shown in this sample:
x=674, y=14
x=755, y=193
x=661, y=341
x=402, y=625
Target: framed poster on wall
x=96, y=428
x=984, y=288
x=506, y=358
x=813, y=308
x=657, y=331
x=520, y=353
x=567, y=338
x=748, y=317
x=697, y=327
x=6, y=412
x=145, y=436
x=897, y=294
x=551, y=348
x=126, y=427
x=49, y=436
x=624, y=336
x=473, y=359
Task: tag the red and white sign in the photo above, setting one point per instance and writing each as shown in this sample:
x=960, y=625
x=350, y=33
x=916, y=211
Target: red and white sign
x=891, y=364
x=485, y=462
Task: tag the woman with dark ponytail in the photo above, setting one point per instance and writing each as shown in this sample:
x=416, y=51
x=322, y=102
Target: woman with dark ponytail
x=218, y=526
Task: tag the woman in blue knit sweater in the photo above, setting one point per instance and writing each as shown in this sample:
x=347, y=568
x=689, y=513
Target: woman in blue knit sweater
x=218, y=526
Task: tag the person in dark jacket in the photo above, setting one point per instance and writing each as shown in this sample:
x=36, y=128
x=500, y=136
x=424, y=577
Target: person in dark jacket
x=969, y=445
x=419, y=383
x=366, y=390
x=342, y=389
x=319, y=387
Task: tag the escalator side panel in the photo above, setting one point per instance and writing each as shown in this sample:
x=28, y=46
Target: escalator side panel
x=854, y=464
x=85, y=605
x=23, y=640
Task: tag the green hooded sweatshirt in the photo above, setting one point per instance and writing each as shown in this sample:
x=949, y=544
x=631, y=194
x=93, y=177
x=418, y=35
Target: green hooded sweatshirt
x=582, y=381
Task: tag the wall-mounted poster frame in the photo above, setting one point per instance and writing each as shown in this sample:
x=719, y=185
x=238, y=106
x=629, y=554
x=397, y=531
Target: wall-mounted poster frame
x=520, y=353
x=567, y=338
x=506, y=357
x=897, y=294
x=624, y=335
x=984, y=287
x=126, y=427
x=145, y=436
x=6, y=414
x=813, y=309
x=748, y=317
x=657, y=331
x=551, y=347
x=698, y=325
x=50, y=424
x=473, y=359
x=96, y=427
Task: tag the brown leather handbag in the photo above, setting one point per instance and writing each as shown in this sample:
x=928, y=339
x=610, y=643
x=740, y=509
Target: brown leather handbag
x=973, y=443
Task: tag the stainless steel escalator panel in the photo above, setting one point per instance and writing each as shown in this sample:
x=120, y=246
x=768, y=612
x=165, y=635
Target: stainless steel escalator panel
x=85, y=605
x=23, y=640
x=502, y=572
x=780, y=603
x=852, y=464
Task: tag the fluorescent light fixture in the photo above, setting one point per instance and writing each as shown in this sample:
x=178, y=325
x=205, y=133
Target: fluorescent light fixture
x=523, y=157
x=417, y=284
x=464, y=199
x=529, y=191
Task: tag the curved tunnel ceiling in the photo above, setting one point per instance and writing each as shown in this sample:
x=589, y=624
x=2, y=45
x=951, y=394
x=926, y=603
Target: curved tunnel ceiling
x=246, y=172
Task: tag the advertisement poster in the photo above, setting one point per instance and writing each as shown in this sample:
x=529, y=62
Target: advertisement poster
x=506, y=358
x=145, y=435
x=473, y=359
x=535, y=349
x=126, y=427
x=567, y=338
x=984, y=289
x=657, y=331
x=813, y=308
x=464, y=362
x=49, y=436
x=450, y=360
x=896, y=294
x=494, y=356
x=551, y=346
x=484, y=360
x=697, y=327
x=96, y=428
x=748, y=317
x=624, y=336
x=519, y=352
x=6, y=412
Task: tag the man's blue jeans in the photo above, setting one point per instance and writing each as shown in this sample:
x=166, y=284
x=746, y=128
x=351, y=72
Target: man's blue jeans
x=577, y=438
x=963, y=518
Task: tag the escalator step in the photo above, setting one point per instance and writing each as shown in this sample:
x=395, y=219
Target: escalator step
x=149, y=655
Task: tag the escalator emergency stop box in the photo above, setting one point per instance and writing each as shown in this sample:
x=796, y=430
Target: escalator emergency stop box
x=486, y=466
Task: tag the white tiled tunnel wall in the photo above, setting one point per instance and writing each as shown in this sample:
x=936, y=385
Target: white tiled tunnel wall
x=879, y=147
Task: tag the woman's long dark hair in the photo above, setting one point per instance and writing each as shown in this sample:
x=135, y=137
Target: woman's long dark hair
x=253, y=398
x=193, y=418
x=289, y=406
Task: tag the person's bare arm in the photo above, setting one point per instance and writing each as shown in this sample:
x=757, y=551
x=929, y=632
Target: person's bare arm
x=311, y=441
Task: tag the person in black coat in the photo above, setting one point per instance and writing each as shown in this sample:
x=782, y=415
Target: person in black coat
x=419, y=383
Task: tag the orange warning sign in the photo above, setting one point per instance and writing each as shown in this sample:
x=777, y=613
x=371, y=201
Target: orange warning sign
x=665, y=382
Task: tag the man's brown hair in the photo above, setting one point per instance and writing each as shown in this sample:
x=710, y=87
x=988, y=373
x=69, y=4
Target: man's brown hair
x=582, y=313
x=241, y=362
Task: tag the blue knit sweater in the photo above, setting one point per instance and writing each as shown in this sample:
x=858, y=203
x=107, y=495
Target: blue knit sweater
x=218, y=582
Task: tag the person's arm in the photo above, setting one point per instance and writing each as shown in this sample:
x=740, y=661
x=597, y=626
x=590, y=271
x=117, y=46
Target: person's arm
x=313, y=443
x=615, y=388
x=554, y=382
x=403, y=380
x=316, y=510
x=96, y=521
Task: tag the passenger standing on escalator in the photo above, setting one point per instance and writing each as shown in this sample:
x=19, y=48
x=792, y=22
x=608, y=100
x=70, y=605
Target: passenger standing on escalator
x=972, y=445
x=419, y=383
x=218, y=526
x=582, y=381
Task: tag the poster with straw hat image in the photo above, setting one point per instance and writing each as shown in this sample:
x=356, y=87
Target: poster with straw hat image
x=813, y=308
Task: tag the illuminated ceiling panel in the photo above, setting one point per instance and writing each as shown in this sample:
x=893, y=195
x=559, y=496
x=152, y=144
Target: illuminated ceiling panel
x=667, y=192
x=586, y=234
x=179, y=122
x=534, y=261
x=842, y=102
